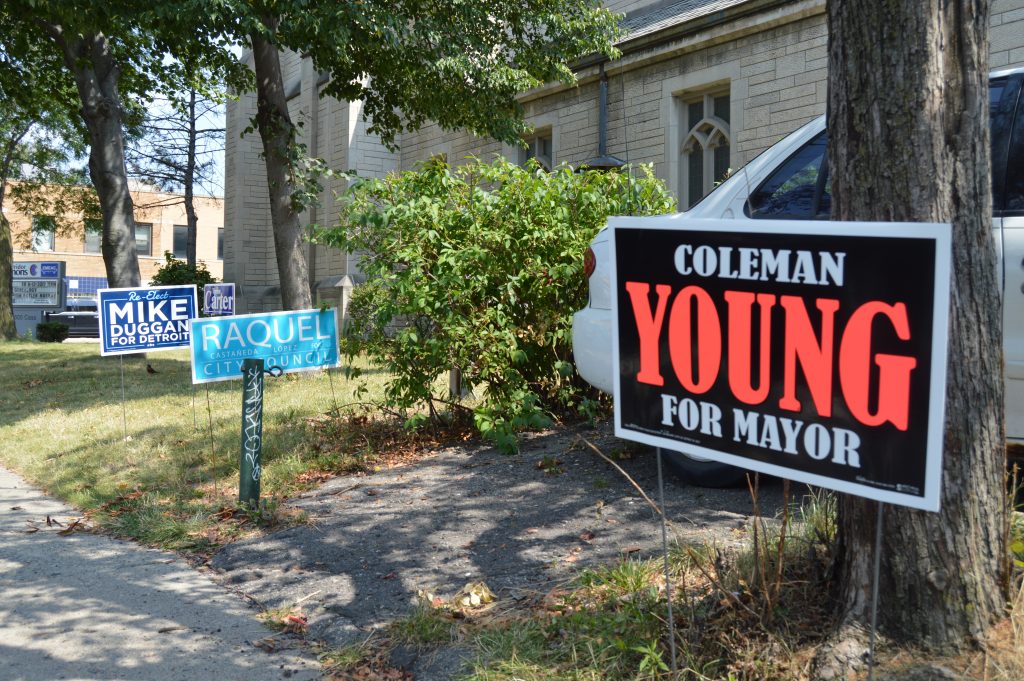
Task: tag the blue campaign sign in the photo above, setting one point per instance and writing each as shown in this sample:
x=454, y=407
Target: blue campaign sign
x=145, y=319
x=300, y=340
x=219, y=299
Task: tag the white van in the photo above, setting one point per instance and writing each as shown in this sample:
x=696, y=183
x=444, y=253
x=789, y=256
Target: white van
x=789, y=181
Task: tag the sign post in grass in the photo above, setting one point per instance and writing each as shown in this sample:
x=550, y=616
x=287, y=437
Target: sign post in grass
x=272, y=342
x=252, y=431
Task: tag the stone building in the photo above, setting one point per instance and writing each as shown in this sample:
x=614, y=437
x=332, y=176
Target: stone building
x=702, y=86
x=160, y=226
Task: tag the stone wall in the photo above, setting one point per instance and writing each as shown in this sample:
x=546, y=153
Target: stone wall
x=1006, y=41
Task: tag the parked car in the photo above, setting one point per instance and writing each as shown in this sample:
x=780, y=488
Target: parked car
x=790, y=181
x=82, y=317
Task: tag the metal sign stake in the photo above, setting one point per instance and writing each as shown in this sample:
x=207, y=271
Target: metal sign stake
x=334, y=397
x=874, y=592
x=668, y=576
x=213, y=452
x=124, y=408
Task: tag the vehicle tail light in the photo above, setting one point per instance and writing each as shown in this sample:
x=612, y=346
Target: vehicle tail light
x=589, y=262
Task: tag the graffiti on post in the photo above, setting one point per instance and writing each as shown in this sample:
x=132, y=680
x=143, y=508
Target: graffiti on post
x=252, y=430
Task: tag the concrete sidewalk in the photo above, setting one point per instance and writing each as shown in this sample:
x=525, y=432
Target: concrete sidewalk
x=88, y=607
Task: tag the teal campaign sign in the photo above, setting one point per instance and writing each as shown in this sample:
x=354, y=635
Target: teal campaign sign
x=299, y=340
x=145, y=319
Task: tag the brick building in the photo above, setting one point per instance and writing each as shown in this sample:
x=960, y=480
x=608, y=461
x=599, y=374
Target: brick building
x=160, y=226
x=702, y=86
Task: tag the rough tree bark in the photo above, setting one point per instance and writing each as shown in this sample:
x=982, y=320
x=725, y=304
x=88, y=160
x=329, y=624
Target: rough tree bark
x=88, y=58
x=909, y=141
x=277, y=132
x=192, y=219
x=8, y=328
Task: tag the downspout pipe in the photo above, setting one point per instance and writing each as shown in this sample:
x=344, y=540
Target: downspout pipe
x=603, y=161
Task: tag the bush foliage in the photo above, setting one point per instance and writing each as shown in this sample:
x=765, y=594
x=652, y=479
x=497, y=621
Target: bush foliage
x=480, y=268
x=178, y=272
x=52, y=332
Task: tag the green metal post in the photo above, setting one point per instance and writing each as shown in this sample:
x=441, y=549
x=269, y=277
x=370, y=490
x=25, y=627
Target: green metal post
x=252, y=431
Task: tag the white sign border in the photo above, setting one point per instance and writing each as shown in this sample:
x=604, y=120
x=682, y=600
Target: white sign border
x=136, y=351
x=940, y=233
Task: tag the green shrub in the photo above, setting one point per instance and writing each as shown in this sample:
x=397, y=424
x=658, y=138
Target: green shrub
x=52, y=332
x=480, y=268
x=178, y=272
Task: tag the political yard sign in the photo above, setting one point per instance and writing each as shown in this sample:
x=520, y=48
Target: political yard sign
x=815, y=351
x=300, y=340
x=219, y=299
x=145, y=319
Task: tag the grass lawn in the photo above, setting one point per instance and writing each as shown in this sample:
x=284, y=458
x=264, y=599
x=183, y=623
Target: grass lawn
x=170, y=483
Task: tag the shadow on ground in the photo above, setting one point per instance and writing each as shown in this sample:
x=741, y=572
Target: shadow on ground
x=90, y=607
x=468, y=514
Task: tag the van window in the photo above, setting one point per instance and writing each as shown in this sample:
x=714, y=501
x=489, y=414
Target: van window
x=799, y=188
x=1014, y=197
x=1002, y=100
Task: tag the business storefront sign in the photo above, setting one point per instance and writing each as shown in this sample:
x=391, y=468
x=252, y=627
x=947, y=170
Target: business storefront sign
x=36, y=284
x=219, y=299
x=300, y=340
x=145, y=319
x=814, y=351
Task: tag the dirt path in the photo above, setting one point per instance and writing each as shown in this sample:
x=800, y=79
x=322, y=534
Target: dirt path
x=469, y=514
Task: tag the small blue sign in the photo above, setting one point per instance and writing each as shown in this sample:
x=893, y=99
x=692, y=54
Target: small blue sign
x=145, y=319
x=218, y=299
x=36, y=270
x=300, y=340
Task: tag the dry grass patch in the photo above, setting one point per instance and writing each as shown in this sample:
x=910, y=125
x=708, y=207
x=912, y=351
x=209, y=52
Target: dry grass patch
x=759, y=614
x=173, y=482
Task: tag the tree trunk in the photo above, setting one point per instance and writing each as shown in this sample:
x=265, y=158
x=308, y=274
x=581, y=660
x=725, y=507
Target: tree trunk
x=90, y=61
x=909, y=141
x=190, y=175
x=278, y=135
x=8, y=329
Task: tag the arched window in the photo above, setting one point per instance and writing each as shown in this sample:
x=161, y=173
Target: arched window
x=704, y=154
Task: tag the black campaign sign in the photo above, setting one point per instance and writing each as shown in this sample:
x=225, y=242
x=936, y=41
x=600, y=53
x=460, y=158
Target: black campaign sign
x=814, y=351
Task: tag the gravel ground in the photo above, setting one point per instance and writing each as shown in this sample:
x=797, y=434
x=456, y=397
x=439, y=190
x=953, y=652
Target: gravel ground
x=467, y=514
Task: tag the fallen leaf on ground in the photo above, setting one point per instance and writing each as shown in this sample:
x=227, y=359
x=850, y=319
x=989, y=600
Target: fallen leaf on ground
x=291, y=620
x=76, y=526
x=587, y=536
x=267, y=644
x=474, y=594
